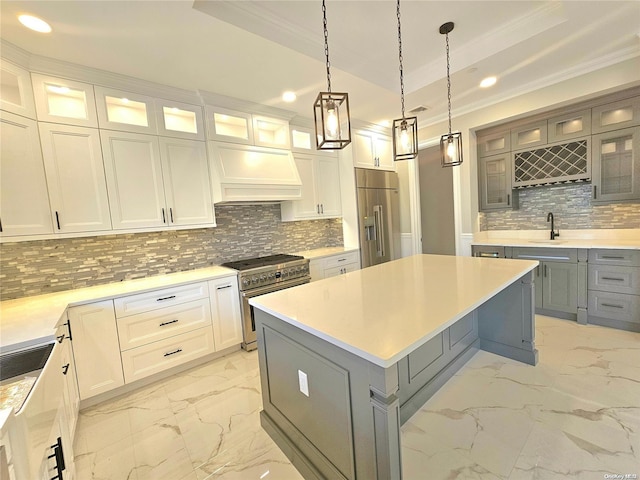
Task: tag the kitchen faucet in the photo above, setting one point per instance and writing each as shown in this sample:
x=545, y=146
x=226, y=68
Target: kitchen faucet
x=553, y=233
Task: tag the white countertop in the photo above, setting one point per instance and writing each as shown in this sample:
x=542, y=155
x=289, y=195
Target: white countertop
x=325, y=252
x=602, y=238
x=32, y=321
x=384, y=312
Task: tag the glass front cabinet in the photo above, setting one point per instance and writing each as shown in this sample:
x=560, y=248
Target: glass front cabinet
x=616, y=165
x=64, y=101
x=124, y=111
x=16, y=95
x=495, y=182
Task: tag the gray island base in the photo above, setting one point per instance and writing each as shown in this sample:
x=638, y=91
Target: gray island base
x=346, y=361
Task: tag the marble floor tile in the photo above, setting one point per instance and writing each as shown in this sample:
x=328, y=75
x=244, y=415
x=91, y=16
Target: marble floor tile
x=576, y=415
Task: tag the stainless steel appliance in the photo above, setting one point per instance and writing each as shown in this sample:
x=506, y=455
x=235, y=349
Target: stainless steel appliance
x=257, y=276
x=378, y=216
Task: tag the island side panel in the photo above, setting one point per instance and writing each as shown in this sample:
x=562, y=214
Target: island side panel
x=506, y=322
x=348, y=427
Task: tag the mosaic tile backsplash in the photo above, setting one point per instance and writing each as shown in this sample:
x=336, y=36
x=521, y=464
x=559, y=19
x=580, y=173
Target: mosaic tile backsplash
x=243, y=231
x=571, y=207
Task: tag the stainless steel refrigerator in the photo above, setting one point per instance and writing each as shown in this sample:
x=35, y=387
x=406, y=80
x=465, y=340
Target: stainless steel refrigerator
x=378, y=216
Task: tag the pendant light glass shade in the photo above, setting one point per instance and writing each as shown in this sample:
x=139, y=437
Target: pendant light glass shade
x=331, y=114
x=332, y=120
x=405, y=130
x=451, y=143
x=405, y=138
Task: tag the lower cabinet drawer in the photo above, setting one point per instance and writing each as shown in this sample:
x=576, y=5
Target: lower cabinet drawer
x=614, y=306
x=137, y=330
x=157, y=299
x=158, y=356
x=346, y=268
x=341, y=260
x=615, y=279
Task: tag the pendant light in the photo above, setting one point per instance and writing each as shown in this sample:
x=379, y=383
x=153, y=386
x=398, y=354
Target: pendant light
x=331, y=109
x=451, y=143
x=405, y=130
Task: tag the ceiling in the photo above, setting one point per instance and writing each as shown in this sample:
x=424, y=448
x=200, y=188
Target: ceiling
x=255, y=50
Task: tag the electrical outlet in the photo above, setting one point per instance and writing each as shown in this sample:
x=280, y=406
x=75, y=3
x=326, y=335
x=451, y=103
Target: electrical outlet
x=303, y=382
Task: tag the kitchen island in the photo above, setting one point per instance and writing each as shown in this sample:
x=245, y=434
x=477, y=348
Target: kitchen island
x=346, y=360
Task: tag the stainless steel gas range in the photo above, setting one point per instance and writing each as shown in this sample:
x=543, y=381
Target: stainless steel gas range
x=257, y=276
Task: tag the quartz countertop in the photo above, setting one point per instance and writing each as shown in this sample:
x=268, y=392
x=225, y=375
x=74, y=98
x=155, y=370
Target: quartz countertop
x=384, y=312
x=325, y=252
x=30, y=321
x=607, y=239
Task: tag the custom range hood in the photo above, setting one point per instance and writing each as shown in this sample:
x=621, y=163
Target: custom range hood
x=250, y=174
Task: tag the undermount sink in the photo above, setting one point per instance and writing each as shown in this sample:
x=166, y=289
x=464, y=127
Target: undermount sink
x=547, y=242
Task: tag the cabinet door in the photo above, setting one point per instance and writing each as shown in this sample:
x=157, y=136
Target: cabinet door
x=529, y=136
x=24, y=201
x=494, y=174
x=134, y=179
x=75, y=176
x=560, y=284
x=70, y=394
x=228, y=125
x=64, y=101
x=179, y=120
x=539, y=286
x=384, y=152
x=308, y=206
x=225, y=312
x=363, y=150
x=569, y=125
x=16, y=95
x=616, y=115
x=130, y=112
x=270, y=132
x=494, y=143
x=616, y=165
x=328, y=183
x=95, y=348
x=186, y=182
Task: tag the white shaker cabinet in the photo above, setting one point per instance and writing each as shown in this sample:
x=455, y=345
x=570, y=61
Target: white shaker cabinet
x=75, y=177
x=16, y=95
x=185, y=170
x=24, y=202
x=179, y=120
x=64, y=101
x=372, y=150
x=130, y=112
x=134, y=179
x=225, y=312
x=96, y=348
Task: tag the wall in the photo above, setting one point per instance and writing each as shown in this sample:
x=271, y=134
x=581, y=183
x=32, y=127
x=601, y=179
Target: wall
x=243, y=231
x=571, y=207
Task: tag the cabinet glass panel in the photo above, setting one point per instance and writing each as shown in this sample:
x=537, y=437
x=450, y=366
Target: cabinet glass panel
x=496, y=176
x=616, y=165
x=180, y=120
x=123, y=110
x=301, y=140
x=271, y=133
x=16, y=95
x=10, y=91
x=231, y=126
x=63, y=101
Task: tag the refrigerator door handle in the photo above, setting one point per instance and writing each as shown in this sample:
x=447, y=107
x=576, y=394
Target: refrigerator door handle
x=377, y=213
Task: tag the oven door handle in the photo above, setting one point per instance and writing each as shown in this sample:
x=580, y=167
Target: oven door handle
x=254, y=292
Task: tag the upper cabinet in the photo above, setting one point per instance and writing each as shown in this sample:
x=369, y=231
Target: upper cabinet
x=179, y=120
x=495, y=188
x=129, y=112
x=24, y=201
x=616, y=115
x=64, y=101
x=226, y=125
x=569, y=126
x=372, y=150
x=16, y=95
x=616, y=165
x=494, y=143
x=528, y=136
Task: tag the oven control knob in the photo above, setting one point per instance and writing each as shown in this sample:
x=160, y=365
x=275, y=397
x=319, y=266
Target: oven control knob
x=272, y=275
x=254, y=279
x=246, y=282
x=262, y=278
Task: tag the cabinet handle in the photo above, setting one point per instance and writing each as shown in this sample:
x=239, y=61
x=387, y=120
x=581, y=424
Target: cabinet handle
x=223, y=287
x=545, y=270
x=173, y=353
x=594, y=191
x=171, y=214
x=613, y=278
x=538, y=271
x=163, y=217
x=0, y=225
x=342, y=259
x=168, y=323
x=161, y=299
x=65, y=369
x=508, y=199
x=58, y=220
x=322, y=208
x=611, y=257
x=59, y=456
x=611, y=305
x=318, y=208
x=60, y=338
x=68, y=324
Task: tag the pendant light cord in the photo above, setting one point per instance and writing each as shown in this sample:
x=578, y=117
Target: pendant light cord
x=326, y=44
x=448, y=82
x=400, y=58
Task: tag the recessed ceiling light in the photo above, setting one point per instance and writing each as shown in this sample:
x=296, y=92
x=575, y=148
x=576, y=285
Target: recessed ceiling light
x=289, y=96
x=34, y=23
x=488, y=82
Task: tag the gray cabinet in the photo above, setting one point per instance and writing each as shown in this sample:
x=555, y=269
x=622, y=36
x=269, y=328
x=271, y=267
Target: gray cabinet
x=616, y=165
x=495, y=182
x=569, y=125
x=489, y=251
x=616, y=115
x=531, y=135
x=494, y=143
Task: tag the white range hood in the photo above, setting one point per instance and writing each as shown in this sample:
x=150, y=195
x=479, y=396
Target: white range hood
x=245, y=173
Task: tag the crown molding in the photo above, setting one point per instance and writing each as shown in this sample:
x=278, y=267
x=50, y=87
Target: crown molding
x=219, y=100
x=14, y=54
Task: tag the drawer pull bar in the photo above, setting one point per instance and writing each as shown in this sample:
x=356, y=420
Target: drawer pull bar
x=223, y=287
x=173, y=353
x=613, y=278
x=165, y=298
x=611, y=257
x=341, y=259
x=611, y=305
x=169, y=323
